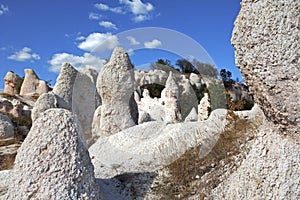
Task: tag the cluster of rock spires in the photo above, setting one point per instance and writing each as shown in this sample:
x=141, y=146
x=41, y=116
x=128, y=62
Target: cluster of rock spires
x=93, y=127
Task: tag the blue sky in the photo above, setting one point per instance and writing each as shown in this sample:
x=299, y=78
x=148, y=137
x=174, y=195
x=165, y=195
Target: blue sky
x=43, y=34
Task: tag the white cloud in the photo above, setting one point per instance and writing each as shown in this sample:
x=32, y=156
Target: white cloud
x=99, y=42
x=139, y=9
x=130, y=51
x=108, y=25
x=153, y=44
x=79, y=62
x=105, y=7
x=24, y=55
x=95, y=16
x=137, y=6
x=3, y=9
x=80, y=38
x=132, y=40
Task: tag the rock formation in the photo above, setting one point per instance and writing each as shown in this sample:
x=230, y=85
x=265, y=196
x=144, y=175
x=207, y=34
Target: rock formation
x=6, y=127
x=203, y=108
x=171, y=102
x=63, y=88
x=32, y=85
x=187, y=96
x=195, y=79
x=149, y=77
x=11, y=107
x=53, y=162
x=115, y=85
x=192, y=117
x=266, y=42
x=11, y=81
x=44, y=102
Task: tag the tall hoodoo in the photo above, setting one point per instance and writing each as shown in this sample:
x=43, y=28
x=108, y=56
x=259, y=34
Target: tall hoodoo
x=115, y=85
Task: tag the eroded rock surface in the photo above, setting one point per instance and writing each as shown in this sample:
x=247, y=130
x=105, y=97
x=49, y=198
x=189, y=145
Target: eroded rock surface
x=6, y=127
x=115, y=85
x=32, y=85
x=53, y=162
x=266, y=39
x=11, y=80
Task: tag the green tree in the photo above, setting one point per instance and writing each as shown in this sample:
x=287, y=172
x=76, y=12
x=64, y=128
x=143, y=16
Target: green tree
x=186, y=66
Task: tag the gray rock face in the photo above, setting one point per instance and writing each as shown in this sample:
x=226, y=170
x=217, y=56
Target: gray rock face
x=6, y=127
x=84, y=103
x=192, y=117
x=32, y=85
x=10, y=82
x=44, y=102
x=266, y=41
x=115, y=85
x=63, y=88
x=53, y=162
x=149, y=77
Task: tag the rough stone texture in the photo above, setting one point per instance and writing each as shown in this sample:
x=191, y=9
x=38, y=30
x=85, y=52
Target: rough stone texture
x=10, y=81
x=53, y=162
x=144, y=117
x=91, y=73
x=44, y=102
x=203, y=108
x=63, y=88
x=6, y=127
x=32, y=85
x=143, y=77
x=115, y=85
x=171, y=103
x=11, y=107
x=152, y=145
x=270, y=171
x=266, y=39
x=192, y=117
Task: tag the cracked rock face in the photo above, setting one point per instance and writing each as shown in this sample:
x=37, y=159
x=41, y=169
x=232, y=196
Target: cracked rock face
x=115, y=85
x=53, y=162
x=266, y=38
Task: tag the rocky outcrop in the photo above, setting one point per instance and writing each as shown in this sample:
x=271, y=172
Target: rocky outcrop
x=11, y=82
x=149, y=77
x=32, y=85
x=266, y=42
x=6, y=127
x=203, y=108
x=171, y=102
x=53, y=162
x=63, y=88
x=195, y=79
x=44, y=102
x=115, y=85
x=11, y=107
x=151, y=146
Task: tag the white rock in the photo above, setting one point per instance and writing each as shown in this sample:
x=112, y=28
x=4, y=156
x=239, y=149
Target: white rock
x=203, y=108
x=32, y=85
x=53, y=162
x=6, y=127
x=115, y=85
x=152, y=145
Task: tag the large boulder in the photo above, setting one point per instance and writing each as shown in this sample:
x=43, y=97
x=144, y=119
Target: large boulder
x=266, y=42
x=6, y=127
x=32, y=85
x=53, y=162
x=115, y=85
x=153, y=145
x=11, y=83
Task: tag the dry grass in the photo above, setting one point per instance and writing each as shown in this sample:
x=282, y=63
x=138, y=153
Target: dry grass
x=190, y=174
